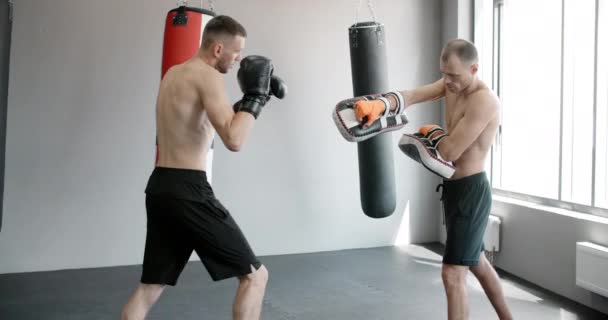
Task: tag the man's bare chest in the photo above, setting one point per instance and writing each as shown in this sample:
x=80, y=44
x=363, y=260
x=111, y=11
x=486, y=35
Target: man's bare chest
x=455, y=109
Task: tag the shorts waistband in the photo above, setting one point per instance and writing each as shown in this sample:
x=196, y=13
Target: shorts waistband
x=178, y=183
x=190, y=175
x=474, y=178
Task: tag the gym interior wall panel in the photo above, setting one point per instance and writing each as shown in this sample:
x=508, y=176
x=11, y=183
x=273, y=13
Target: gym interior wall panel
x=539, y=245
x=5, y=46
x=80, y=143
x=80, y=140
x=297, y=177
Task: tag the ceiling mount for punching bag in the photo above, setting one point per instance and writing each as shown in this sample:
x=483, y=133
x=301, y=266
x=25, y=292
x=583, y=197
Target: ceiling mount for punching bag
x=180, y=18
x=369, y=75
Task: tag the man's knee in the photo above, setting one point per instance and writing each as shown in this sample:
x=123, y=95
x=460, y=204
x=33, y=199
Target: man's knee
x=257, y=277
x=482, y=269
x=453, y=275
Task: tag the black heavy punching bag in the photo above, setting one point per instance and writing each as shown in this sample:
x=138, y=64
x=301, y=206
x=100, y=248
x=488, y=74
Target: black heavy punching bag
x=376, y=166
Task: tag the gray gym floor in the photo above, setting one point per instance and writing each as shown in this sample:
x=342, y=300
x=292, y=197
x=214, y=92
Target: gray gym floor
x=366, y=284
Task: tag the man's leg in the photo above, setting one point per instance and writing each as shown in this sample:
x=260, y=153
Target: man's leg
x=490, y=283
x=141, y=301
x=454, y=281
x=250, y=295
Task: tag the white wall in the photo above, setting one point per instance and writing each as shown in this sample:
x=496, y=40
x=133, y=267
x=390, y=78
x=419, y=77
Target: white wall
x=539, y=245
x=457, y=19
x=80, y=136
x=307, y=194
x=80, y=133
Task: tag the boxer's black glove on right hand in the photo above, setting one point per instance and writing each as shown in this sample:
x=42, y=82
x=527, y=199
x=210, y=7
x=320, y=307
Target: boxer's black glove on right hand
x=278, y=87
x=254, y=77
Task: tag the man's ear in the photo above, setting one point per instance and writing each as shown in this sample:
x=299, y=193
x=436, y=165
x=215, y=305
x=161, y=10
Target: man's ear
x=474, y=68
x=217, y=49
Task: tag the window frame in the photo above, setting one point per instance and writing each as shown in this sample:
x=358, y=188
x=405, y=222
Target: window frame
x=496, y=76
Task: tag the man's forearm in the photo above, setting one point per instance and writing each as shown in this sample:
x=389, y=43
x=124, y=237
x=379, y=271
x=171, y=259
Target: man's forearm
x=418, y=95
x=235, y=134
x=427, y=92
x=410, y=97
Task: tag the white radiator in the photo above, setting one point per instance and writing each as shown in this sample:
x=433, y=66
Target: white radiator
x=491, y=238
x=591, y=266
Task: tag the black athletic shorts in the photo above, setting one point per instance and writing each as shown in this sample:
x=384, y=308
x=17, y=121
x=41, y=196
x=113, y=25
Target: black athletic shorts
x=466, y=204
x=184, y=215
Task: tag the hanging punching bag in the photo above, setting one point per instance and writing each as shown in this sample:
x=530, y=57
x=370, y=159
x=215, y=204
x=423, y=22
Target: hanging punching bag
x=376, y=166
x=183, y=34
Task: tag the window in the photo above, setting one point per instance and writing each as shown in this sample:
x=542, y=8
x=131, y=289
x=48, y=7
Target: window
x=601, y=120
x=547, y=61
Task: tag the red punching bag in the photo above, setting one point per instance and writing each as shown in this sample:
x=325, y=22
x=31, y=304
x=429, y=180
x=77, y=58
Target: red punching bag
x=183, y=34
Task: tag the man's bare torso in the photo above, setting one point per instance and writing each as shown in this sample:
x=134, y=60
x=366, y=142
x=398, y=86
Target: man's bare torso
x=183, y=128
x=473, y=158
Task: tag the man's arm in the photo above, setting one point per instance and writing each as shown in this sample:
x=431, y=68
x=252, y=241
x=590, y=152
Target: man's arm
x=427, y=92
x=480, y=112
x=432, y=91
x=232, y=128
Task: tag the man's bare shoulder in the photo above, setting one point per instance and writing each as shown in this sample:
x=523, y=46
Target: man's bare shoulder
x=484, y=98
x=206, y=77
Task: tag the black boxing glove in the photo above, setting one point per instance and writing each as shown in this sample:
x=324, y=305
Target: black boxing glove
x=278, y=87
x=254, y=78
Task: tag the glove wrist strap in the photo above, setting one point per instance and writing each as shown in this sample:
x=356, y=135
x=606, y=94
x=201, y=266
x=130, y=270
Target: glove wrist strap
x=252, y=106
x=400, y=101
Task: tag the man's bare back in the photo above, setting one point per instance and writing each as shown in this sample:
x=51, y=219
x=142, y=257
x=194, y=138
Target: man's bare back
x=184, y=130
x=183, y=213
x=474, y=108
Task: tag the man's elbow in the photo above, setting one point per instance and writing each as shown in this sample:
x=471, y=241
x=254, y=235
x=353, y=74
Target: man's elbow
x=449, y=154
x=233, y=143
x=449, y=157
x=234, y=146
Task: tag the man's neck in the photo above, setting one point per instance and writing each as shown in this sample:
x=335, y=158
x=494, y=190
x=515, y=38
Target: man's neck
x=207, y=58
x=472, y=87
